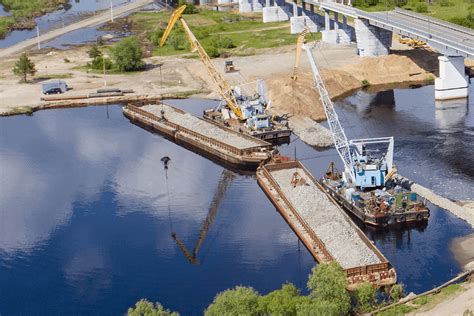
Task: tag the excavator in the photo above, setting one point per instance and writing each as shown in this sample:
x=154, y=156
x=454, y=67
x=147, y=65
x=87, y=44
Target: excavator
x=248, y=109
x=224, y=182
x=366, y=188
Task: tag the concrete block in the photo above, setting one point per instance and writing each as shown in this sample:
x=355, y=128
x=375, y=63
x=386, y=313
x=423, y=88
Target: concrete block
x=337, y=36
x=246, y=6
x=298, y=23
x=275, y=14
x=371, y=40
x=452, y=82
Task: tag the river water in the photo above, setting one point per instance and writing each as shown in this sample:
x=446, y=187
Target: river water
x=73, y=13
x=87, y=210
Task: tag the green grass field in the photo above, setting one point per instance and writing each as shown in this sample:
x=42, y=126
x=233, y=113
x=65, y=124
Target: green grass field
x=247, y=33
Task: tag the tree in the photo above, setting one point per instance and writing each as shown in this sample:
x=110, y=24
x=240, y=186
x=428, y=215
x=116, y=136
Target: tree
x=94, y=52
x=328, y=284
x=128, y=54
x=239, y=301
x=190, y=7
x=366, y=296
x=23, y=67
x=146, y=308
x=284, y=301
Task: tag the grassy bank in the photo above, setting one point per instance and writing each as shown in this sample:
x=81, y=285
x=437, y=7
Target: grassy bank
x=456, y=11
x=218, y=32
x=22, y=12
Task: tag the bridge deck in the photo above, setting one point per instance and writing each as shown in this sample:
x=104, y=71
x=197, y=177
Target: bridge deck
x=448, y=38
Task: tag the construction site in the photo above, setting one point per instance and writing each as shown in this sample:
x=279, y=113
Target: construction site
x=365, y=158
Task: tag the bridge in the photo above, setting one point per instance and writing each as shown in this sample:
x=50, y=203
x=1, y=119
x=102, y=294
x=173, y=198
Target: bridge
x=373, y=32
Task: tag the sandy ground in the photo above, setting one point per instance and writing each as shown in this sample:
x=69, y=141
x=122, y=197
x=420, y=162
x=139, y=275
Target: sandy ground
x=457, y=304
x=342, y=69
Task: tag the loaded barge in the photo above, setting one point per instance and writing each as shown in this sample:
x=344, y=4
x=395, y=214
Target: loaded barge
x=324, y=228
x=221, y=144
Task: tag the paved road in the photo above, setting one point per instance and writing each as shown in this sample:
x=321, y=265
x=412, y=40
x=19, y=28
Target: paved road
x=447, y=38
x=92, y=21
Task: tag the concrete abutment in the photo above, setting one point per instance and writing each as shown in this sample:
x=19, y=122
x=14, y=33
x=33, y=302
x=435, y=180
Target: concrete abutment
x=371, y=40
x=453, y=83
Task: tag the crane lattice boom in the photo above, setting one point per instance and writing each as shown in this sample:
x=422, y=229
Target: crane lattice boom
x=225, y=89
x=339, y=137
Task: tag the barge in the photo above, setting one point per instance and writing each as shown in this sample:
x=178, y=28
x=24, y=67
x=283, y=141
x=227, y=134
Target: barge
x=221, y=144
x=392, y=205
x=322, y=226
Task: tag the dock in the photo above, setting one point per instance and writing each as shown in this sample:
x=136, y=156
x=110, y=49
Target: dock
x=322, y=226
x=221, y=144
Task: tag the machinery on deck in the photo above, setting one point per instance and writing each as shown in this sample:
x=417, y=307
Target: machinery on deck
x=366, y=187
x=241, y=112
x=224, y=182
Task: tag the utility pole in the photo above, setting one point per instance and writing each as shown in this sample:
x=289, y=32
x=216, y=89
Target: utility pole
x=38, y=36
x=111, y=12
x=103, y=68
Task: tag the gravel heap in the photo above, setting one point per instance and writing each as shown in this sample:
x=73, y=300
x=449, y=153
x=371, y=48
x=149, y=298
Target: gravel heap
x=200, y=126
x=311, y=132
x=327, y=221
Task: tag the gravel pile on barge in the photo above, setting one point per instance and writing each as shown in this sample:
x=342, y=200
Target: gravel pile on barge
x=200, y=126
x=326, y=219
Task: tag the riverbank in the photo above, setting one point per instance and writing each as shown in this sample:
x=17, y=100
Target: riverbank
x=23, y=13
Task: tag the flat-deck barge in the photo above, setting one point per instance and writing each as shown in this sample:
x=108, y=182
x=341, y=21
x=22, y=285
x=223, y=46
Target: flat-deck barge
x=319, y=222
x=218, y=143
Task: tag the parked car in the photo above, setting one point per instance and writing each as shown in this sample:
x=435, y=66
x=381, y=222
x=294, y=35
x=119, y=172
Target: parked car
x=54, y=87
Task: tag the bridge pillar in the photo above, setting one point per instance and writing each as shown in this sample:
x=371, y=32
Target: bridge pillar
x=248, y=6
x=275, y=14
x=371, y=40
x=299, y=23
x=452, y=82
x=344, y=22
x=327, y=20
x=336, y=20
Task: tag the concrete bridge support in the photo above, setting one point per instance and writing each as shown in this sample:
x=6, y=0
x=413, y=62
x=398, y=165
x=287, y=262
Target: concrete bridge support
x=334, y=32
x=452, y=82
x=371, y=40
x=249, y=6
x=298, y=23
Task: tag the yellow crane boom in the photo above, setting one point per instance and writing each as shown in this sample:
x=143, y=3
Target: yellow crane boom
x=225, y=89
x=299, y=44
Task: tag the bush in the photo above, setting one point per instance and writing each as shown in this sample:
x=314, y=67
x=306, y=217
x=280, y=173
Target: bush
x=366, y=296
x=445, y=3
x=365, y=83
x=328, y=283
x=177, y=40
x=100, y=63
x=239, y=301
x=190, y=7
x=155, y=36
x=222, y=42
x=421, y=8
x=396, y=292
x=128, y=54
x=212, y=52
x=144, y=307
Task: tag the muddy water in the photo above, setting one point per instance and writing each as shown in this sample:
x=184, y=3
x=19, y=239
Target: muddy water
x=76, y=11
x=87, y=209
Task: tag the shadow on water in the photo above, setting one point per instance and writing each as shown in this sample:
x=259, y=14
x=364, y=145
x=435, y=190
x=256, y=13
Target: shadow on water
x=88, y=211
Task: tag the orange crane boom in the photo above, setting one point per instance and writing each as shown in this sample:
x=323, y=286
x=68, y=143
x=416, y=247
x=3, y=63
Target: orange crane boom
x=225, y=88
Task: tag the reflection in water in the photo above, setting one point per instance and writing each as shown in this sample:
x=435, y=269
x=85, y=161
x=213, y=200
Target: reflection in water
x=87, y=211
x=87, y=214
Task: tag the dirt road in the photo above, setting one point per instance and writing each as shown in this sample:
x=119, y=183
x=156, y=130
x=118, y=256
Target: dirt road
x=92, y=21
